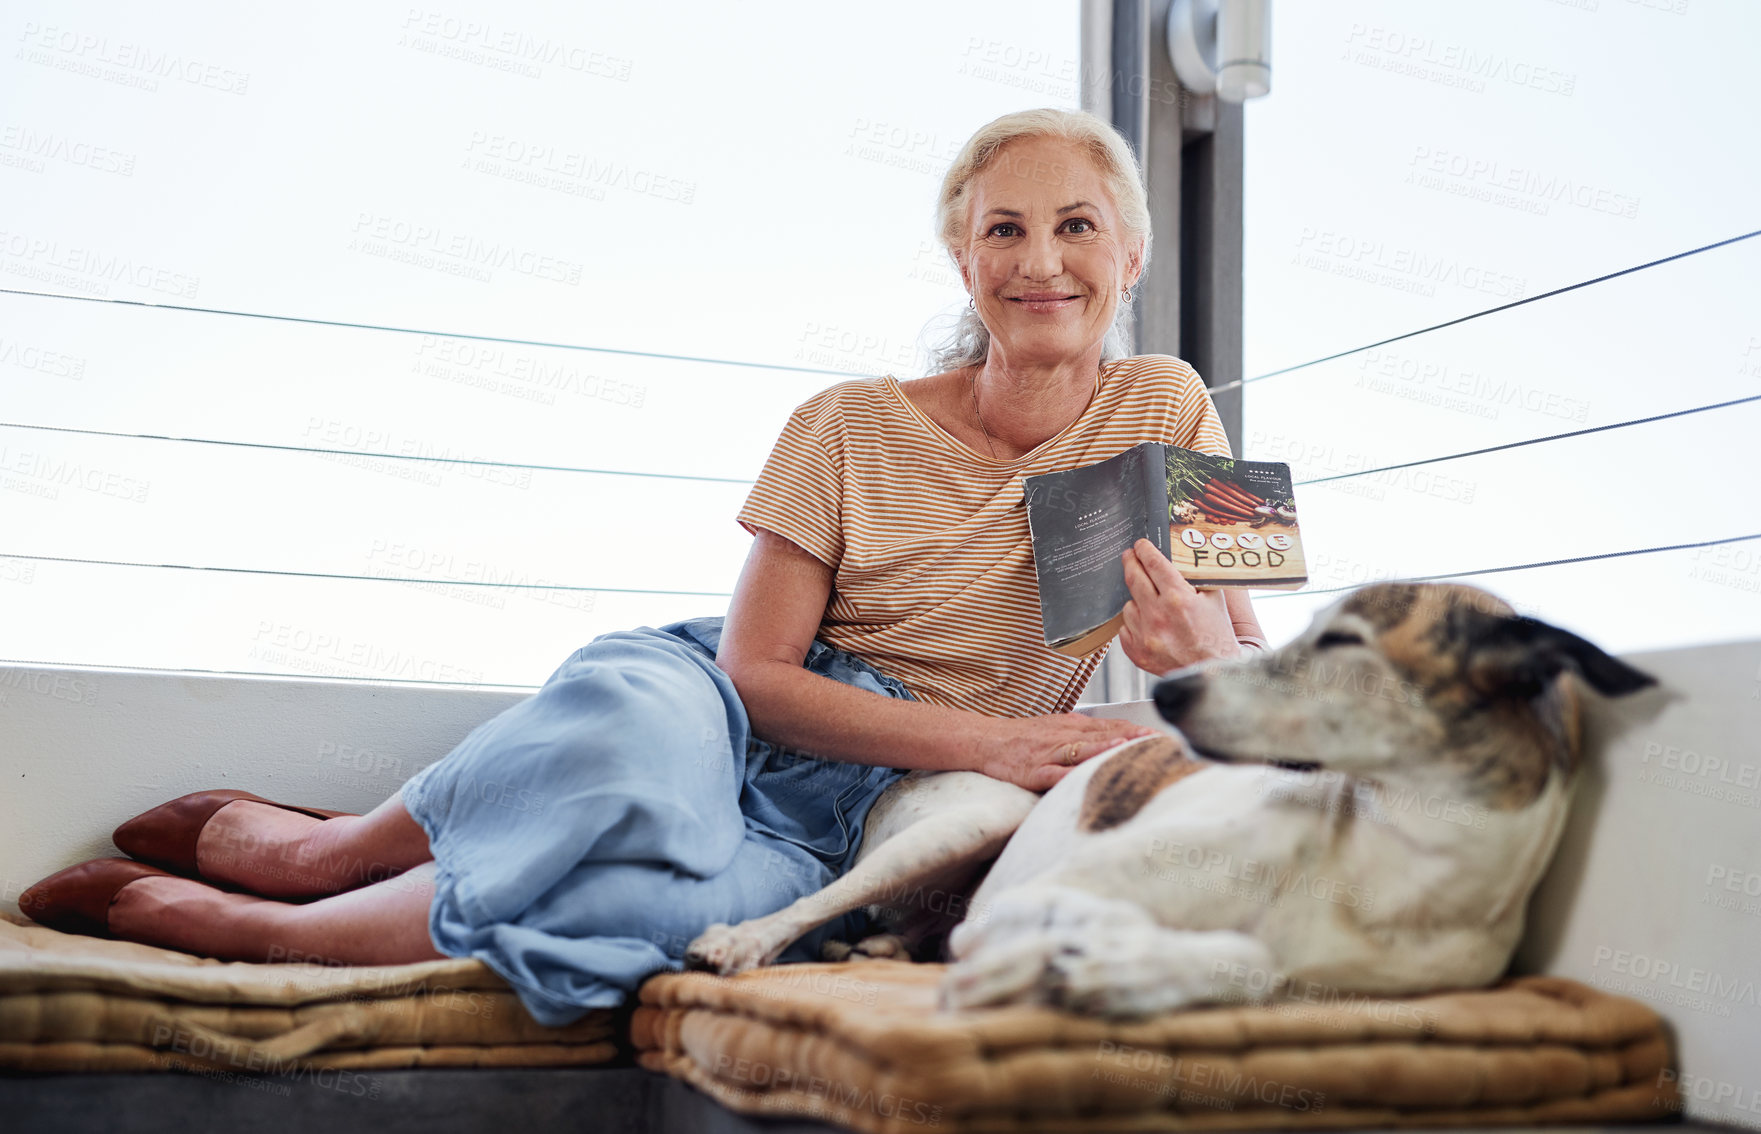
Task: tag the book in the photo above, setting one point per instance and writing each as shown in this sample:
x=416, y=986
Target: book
x=1223, y=522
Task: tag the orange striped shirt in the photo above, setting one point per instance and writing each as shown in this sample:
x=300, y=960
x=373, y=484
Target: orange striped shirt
x=934, y=567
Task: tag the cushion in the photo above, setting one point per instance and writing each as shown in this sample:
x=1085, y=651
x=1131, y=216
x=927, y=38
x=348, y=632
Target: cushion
x=73, y=1003
x=865, y=1046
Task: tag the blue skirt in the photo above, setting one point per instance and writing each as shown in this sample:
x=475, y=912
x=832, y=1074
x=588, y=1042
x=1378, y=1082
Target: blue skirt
x=585, y=836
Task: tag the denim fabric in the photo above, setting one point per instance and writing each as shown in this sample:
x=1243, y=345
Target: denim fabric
x=586, y=835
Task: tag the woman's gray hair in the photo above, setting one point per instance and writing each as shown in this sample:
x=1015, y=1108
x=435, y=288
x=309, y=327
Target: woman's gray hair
x=969, y=343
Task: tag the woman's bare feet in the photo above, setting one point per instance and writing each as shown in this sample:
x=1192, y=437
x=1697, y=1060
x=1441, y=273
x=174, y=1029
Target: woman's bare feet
x=283, y=854
x=381, y=924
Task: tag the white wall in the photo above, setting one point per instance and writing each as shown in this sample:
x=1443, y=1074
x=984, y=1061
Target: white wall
x=82, y=750
x=1655, y=892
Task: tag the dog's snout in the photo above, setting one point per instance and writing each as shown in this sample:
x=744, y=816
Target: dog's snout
x=1176, y=695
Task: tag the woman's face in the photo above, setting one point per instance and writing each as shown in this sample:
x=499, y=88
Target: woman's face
x=1045, y=254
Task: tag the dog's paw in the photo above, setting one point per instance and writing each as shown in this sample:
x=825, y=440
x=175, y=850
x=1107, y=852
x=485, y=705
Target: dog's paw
x=1008, y=973
x=1153, y=969
x=1029, y=910
x=1136, y=970
x=728, y=949
x=879, y=947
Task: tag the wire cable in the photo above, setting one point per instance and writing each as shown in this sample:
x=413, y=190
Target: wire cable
x=1523, y=566
x=369, y=454
x=502, y=685
x=364, y=578
x=1535, y=440
x=745, y=480
x=1239, y=382
x=435, y=334
x=729, y=594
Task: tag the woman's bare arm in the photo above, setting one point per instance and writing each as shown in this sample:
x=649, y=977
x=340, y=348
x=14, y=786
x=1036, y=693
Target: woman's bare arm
x=776, y=611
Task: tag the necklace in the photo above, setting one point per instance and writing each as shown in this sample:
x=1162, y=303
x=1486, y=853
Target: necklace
x=972, y=387
x=972, y=384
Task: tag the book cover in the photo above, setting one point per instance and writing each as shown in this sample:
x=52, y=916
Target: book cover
x=1222, y=522
x=1233, y=522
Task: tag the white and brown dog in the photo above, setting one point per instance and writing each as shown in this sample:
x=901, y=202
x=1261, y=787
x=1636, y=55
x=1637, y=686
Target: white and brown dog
x=1370, y=809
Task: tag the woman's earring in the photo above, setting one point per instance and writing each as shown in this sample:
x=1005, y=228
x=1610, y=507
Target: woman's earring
x=972, y=302
x=1124, y=295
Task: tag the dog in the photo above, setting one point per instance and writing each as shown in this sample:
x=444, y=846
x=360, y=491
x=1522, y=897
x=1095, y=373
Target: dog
x=1365, y=810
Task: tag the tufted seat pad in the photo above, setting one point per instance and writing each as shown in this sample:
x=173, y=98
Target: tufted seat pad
x=73, y=1003
x=865, y=1046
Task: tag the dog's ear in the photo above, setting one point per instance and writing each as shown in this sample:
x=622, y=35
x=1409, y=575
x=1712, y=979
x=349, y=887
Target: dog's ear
x=1518, y=656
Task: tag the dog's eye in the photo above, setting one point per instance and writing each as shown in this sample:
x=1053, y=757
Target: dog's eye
x=1338, y=638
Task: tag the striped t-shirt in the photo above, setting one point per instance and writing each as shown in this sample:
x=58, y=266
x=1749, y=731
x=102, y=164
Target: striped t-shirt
x=934, y=567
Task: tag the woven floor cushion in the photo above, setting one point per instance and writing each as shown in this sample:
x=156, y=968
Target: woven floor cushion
x=865, y=1046
x=73, y=1003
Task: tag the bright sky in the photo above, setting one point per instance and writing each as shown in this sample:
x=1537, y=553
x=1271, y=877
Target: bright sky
x=755, y=183
x=1416, y=163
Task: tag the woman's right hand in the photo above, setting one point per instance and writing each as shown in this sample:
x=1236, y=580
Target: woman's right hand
x=1037, y=752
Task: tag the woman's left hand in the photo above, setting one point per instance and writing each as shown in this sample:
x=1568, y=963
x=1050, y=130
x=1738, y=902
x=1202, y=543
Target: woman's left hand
x=1168, y=622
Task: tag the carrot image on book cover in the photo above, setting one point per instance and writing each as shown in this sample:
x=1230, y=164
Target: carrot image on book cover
x=1222, y=522
x=1233, y=522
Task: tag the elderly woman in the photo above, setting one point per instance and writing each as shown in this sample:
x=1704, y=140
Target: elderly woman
x=714, y=770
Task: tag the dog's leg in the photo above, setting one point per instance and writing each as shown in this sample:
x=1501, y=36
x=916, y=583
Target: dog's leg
x=1412, y=962
x=915, y=857
x=1066, y=947
x=1154, y=969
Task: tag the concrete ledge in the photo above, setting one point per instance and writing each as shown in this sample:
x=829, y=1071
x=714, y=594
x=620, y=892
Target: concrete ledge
x=81, y=750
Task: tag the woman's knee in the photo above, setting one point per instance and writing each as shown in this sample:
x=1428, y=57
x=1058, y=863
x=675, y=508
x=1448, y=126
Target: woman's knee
x=664, y=711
